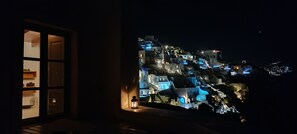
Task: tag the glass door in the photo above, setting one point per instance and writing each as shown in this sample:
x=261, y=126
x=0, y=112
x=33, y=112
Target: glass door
x=55, y=63
x=31, y=75
x=43, y=88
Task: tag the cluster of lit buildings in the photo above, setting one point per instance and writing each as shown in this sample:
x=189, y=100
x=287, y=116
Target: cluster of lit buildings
x=170, y=75
x=276, y=69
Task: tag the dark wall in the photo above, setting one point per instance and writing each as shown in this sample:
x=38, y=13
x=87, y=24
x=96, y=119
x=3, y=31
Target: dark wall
x=9, y=113
x=99, y=61
x=129, y=50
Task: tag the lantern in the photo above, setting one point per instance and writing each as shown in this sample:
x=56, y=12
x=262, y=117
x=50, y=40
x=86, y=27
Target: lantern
x=134, y=103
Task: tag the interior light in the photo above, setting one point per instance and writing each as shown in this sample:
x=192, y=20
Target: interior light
x=54, y=100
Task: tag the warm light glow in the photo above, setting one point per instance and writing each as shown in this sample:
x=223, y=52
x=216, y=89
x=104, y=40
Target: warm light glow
x=215, y=51
x=54, y=100
x=134, y=103
x=124, y=98
x=126, y=95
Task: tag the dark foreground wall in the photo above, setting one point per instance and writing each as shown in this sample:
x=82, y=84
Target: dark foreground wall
x=9, y=56
x=99, y=61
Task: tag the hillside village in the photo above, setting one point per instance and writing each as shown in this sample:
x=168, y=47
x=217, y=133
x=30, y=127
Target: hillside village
x=170, y=75
x=193, y=80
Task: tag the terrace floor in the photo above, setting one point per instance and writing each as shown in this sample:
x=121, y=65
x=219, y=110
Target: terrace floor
x=142, y=121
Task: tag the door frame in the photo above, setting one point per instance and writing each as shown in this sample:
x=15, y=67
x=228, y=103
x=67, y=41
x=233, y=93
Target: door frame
x=45, y=30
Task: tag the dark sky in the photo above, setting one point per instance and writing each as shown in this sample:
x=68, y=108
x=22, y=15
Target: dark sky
x=258, y=31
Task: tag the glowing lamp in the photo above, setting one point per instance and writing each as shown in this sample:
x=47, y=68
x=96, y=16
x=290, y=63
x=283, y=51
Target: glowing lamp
x=134, y=103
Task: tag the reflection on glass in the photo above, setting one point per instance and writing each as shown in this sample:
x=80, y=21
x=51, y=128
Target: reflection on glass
x=30, y=104
x=55, y=101
x=31, y=44
x=55, y=47
x=55, y=74
x=31, y=73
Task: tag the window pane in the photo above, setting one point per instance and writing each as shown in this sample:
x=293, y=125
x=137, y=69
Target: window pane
x=55, y=74
x=30, y=104
x=55, y=101
x=55, y=47
x=31, y=73
x=31, y=44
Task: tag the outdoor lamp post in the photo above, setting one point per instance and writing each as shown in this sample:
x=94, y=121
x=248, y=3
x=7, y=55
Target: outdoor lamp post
x=134, y=103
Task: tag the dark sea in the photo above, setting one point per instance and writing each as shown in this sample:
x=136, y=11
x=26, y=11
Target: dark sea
x=272, y=102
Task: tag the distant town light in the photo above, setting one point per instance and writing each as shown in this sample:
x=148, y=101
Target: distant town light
x=215, y=51
x=182, y=100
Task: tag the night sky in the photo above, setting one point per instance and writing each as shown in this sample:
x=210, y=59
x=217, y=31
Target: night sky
x=258, y=31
